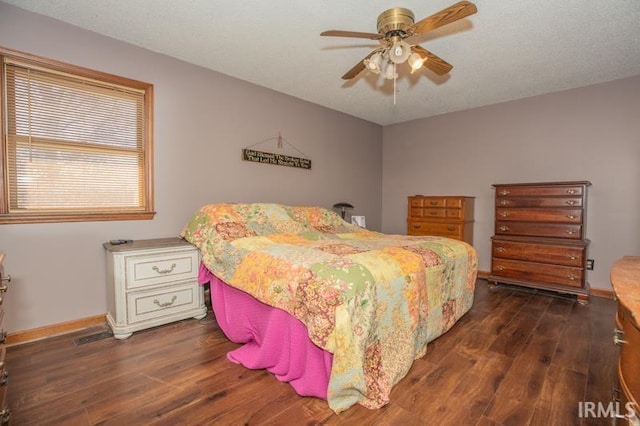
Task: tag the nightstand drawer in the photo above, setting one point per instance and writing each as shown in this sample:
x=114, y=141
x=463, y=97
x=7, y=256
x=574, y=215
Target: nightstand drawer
x=147, y=270
x=146, y=305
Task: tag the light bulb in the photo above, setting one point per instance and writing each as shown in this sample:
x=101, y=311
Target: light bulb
x=415, y=62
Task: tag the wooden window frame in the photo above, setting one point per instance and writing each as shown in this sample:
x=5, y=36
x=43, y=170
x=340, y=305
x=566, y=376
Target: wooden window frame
x=108, y=214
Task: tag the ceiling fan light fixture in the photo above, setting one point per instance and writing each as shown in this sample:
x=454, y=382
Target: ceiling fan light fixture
x=374, y=63
x=415, y=62
x=390, y=71
x=399, y=52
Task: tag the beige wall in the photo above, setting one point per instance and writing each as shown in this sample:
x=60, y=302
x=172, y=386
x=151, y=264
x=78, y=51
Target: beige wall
x=591, y=133
x=202, y=121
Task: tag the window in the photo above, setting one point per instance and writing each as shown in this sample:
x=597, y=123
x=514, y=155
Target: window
x=77, y=143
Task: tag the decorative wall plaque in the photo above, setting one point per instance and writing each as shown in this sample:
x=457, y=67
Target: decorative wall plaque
x=277, y=159
x=274, y=158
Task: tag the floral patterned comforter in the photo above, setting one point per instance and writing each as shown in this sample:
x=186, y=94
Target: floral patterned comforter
x=372, y=300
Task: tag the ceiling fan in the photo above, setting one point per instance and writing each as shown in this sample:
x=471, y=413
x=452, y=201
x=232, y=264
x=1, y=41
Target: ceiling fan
x=394, y=26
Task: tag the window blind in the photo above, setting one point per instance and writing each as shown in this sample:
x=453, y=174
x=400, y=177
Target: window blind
x=74, y=144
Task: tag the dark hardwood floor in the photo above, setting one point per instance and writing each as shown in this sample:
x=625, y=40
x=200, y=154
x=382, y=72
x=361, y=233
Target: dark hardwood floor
x=516, y=358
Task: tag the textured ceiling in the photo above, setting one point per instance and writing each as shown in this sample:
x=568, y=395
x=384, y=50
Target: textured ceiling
x=508, y=50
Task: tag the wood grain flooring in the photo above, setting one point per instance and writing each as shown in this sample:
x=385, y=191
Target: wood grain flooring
x=517, y=358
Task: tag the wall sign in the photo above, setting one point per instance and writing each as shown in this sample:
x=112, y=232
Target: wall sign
x=276, y=159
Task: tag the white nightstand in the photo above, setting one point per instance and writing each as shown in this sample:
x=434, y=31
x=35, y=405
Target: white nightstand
x=150, y=283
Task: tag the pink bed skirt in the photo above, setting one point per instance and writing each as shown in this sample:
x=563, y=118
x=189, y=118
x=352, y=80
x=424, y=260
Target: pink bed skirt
x=272, y=339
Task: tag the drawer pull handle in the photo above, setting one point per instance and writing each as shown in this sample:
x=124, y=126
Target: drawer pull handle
x=6, y=279
x=3, y=288
x=504, y=214
x=571, y=202
x=504, y=228
x=451, y=228
x=504, y=202
x=571, y=191
x=433, y=212
x=571, y=277
x=570, y=232
x=164, y=305
x=416, y=226
x=572, y=257
x=615, y=394
x=617, y=339
x=164, y=271
x=504, y=192
x=500, y=249
x=433, y=203
x=571, y=216
x=500, y=268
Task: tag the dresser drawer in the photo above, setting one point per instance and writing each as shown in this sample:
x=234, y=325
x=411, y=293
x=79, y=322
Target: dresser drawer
x=539, y=191
x=147, y=270
x=159, y=302
x=540, y=252
x=415, y=201
x=539, y=229
x=531, y=271
x=540, y=215
x=436, y=213
x=629, y=364
x=428, y=202
x=538, y=202
x=428, y=213
x=455, y=214
x=439, y=229
x=5, y=413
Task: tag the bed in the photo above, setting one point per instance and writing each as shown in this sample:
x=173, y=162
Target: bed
x=338, y=311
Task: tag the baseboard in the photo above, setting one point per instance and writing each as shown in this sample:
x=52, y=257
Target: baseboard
x=601, y=292
x=40, y=333
x=483, y=274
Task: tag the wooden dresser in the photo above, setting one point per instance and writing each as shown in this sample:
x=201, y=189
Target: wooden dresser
x=4, y=374
x=540, y=238
x=625, y=279
x=446, y=216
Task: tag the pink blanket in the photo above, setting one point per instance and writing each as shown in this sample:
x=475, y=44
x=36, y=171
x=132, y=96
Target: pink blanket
x=272, y=339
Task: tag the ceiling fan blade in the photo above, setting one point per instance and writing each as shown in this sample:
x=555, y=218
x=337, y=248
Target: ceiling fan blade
x=445, y=16
x=355, y=34
x=357, y=68
x=433, y=62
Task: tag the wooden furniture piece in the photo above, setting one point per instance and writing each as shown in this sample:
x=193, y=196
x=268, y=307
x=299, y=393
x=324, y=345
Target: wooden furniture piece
x=446, y=216
x=539, y=236
x=625, y=279
x=150, y=283
x=5, y=413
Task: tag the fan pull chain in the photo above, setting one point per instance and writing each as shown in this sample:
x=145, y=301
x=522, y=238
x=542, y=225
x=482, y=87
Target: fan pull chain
x=394, y=83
